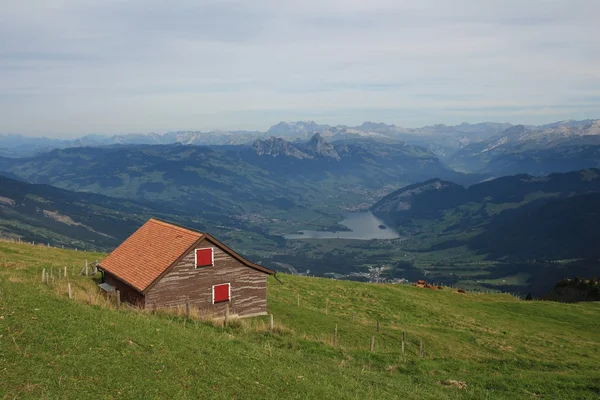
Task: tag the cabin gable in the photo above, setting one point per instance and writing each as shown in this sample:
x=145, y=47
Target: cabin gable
x=199, y=284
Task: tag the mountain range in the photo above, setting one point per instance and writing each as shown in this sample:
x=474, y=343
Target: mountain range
x=519, y=197
x=520, y=217
x=15, y=145
x=536, y=150
x=271, y=174
x=491, y=149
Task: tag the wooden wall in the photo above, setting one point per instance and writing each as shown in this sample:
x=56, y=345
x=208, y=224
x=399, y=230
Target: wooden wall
x=184, y=281
x=128, y=294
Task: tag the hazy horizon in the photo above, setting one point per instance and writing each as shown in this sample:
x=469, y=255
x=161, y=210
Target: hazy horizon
x=73, y=136
x=75, y=67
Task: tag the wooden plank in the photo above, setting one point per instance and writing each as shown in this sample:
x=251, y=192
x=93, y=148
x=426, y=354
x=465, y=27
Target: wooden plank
x=185, y=282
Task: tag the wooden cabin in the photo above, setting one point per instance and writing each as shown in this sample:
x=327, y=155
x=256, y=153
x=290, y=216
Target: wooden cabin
x=162, y=265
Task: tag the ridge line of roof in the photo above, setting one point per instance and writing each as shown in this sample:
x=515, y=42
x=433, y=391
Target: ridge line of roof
x=175, y=226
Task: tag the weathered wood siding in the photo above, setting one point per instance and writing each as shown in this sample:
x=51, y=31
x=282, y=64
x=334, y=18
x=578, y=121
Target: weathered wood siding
x=128, y=294
x=184, y=281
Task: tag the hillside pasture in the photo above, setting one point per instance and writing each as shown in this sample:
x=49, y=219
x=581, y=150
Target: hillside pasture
x=475, y=346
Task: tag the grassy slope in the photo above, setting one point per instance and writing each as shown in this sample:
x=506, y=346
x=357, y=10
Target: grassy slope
x=501, y=347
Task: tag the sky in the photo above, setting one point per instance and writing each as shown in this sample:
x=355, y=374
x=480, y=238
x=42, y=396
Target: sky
x=75, y=67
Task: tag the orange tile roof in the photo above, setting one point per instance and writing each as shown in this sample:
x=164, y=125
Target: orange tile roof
x=148, y=252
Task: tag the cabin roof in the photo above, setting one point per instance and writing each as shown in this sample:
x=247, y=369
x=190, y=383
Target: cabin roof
x=151, y=250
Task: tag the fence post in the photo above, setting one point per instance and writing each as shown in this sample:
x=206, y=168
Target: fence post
x=335, y=336
x=298, y=299
x=226, y=314
x=69, y=289
x=377, y=325
x=118, y=299
x=86, y=268
x=271, y=322
x=65, y=271
x=187, y=308
x=43, y=274
x=421, y=348
x=372, y=343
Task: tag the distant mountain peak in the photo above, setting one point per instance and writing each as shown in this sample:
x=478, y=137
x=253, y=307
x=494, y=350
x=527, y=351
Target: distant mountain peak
x=371, y=125
x=317, y=146
x=302, y=129
x=316, y=138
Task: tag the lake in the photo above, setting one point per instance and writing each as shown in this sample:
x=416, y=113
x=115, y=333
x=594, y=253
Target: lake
x=363, y=225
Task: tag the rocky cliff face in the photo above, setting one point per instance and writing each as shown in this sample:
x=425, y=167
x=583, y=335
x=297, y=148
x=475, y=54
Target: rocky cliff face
x=278, y=147
x=316, y=147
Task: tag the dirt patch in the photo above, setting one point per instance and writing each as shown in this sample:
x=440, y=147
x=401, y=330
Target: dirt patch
x=65, y=219
x=6, y=201
x=451, y=383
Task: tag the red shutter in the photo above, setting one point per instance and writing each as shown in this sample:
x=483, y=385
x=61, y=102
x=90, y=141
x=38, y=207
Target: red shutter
x=204, y=257
x=221, y=293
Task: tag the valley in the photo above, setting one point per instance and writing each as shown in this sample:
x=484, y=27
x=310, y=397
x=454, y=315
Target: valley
x=304, y=205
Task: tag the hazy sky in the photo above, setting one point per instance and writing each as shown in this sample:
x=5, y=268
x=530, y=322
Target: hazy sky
x=72, y=67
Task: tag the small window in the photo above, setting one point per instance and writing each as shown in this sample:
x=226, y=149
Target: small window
x=205, y=257
x=221, y=293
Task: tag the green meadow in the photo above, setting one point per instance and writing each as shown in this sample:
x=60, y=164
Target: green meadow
x=458, y=346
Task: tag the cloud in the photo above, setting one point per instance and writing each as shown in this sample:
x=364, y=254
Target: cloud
x=71, y=67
